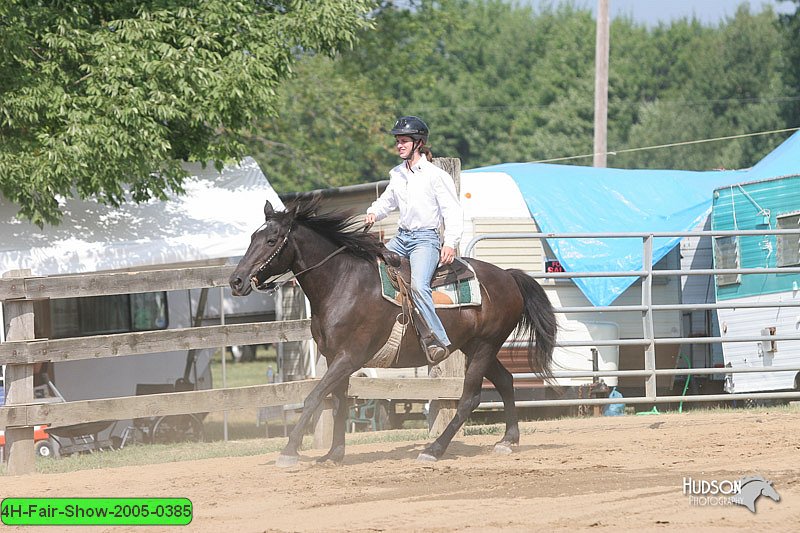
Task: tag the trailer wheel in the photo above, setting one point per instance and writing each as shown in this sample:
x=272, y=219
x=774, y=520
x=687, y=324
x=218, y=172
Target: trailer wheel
x=177, y=428
x=46, y=448
x=397, y=419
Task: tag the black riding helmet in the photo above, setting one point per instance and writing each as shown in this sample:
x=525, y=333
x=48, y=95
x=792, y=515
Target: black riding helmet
x=414, y=127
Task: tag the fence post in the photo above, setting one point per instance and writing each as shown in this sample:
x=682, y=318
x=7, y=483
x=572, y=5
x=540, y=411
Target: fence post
x=443, y=411
x=18, y=324
x=648, y=328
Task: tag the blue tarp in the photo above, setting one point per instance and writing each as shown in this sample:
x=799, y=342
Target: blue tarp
x=574, y=199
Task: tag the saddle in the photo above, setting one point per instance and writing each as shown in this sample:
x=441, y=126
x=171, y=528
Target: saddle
x=397, y=270
x=399, y=266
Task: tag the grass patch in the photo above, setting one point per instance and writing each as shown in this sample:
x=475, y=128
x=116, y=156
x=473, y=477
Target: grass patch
x=491, y=429
x=141, y=454
x=245, y=373
x=242, y=423
x=148, y=454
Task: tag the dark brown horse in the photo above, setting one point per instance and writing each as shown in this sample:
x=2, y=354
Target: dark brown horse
x=335, y=264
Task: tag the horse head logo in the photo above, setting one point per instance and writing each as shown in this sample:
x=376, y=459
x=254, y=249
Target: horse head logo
x=752, y=488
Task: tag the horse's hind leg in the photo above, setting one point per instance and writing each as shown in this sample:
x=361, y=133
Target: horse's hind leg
x=482, y=357
x=340, y=409
x=504, y=383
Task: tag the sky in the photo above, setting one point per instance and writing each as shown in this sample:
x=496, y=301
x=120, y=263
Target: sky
x=652, y=12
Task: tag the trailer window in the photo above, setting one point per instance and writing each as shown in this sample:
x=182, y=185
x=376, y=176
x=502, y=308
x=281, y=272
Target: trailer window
x=103, y=315
x=726, y=255
x=788, y=245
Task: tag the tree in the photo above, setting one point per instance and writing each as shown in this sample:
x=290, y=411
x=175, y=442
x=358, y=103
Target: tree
x=790, y=26
x=329, y=131
x=102, y=99
x=333, y=118
x=498, y=81
x=488, y=76
x=725, y=82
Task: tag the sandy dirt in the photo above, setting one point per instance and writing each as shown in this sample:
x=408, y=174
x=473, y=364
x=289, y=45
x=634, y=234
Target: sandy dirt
x=598, y=474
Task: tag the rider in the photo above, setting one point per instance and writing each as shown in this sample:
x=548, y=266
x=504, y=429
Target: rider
x=426, y=197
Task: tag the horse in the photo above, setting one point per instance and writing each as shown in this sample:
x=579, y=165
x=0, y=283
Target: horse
x=752, y=488
x=335, y=263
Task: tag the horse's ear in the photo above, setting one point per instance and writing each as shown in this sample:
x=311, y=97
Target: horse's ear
x=268, y=210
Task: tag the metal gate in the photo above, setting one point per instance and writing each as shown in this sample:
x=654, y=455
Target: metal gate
x=649, y=341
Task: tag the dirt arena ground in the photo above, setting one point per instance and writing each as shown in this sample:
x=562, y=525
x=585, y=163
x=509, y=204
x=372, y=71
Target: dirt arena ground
x=597, y=474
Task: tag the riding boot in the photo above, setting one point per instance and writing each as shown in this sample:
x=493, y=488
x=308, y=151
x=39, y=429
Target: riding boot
x=436, y=353
x=432, y=348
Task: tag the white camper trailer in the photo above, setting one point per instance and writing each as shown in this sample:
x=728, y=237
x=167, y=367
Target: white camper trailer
x=493, y=204
x=210, y=225
x=772, y=203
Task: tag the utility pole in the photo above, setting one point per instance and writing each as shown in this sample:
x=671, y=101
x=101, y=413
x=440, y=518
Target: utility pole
x=601, y=85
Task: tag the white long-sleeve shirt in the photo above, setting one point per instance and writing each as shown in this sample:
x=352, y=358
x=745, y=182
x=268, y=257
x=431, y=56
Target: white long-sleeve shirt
x=426, y=196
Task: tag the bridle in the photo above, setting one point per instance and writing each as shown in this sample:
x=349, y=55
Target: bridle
x=278, y=250
x=274, y=286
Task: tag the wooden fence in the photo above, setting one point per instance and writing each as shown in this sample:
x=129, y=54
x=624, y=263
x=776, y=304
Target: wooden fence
x=18, y=290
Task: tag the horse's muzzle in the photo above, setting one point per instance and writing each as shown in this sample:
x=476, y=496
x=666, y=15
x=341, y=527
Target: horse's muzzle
x=238, y=286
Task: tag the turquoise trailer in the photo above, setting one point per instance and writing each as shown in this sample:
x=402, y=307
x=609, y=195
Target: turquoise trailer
x=767, y=204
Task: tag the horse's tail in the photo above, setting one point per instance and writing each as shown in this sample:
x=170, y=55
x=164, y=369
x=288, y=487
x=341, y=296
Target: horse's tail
x=538, y=323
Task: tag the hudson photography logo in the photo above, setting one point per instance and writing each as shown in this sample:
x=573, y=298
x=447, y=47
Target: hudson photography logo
x=724, y=492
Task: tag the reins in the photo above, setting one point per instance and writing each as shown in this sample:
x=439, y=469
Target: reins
x=276, y=286
x=254, y=279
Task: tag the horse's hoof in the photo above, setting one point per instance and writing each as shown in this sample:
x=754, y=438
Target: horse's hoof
x=502, y=448
x=286, y=461
x=335, y=456
x=426, y=458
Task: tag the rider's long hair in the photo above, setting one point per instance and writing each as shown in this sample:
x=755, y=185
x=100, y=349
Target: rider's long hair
x=424, y=150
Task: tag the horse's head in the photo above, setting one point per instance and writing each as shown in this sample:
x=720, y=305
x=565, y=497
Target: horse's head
x=769, y=491
x=267, y=255
x=753, y=487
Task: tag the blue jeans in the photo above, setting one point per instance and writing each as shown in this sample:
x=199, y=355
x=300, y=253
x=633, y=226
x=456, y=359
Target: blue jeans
x=422, y=249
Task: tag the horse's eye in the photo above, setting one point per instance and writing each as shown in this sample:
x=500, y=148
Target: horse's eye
x=271, y=242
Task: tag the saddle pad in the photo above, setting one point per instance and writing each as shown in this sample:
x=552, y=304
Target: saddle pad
x=456, y=294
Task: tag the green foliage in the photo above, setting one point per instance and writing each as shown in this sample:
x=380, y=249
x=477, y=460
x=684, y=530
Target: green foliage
x=508, y=76
x=102, y=99
x=331, y=128
x=730, y=84
x=790, y=36
x=330, y=131
x=499, y=82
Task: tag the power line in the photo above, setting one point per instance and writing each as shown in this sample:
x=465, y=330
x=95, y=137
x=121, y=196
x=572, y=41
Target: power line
x=618, y=104
x=669, y=145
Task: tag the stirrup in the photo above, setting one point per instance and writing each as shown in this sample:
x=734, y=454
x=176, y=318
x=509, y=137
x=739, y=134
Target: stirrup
x=436, y=354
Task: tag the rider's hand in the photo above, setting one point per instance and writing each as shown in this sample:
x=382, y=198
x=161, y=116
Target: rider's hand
x=447, y=255
x=369, y=219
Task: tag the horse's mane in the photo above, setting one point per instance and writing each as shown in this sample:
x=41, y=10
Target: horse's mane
x=338, y=226
x=745, y=480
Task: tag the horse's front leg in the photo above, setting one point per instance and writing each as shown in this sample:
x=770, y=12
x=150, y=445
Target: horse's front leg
x=340, y=410
x=338, y=373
